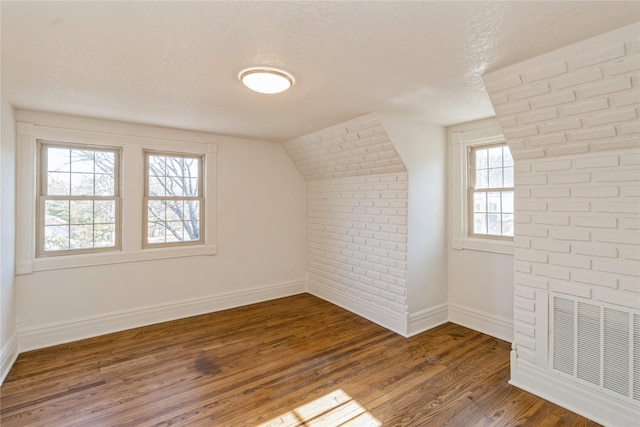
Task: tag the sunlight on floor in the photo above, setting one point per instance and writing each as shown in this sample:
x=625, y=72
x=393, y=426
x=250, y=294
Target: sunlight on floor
x=333, y=409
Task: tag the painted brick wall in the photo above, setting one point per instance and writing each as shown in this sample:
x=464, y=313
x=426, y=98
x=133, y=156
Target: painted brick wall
x=357, y=237
x=357, y=147
x=357, y=190
x=571, y=120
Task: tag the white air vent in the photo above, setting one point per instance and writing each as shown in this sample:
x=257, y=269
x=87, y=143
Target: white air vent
x=597, y=344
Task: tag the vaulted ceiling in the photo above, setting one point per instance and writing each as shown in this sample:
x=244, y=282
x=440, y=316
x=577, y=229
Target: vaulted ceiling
x=176, y=64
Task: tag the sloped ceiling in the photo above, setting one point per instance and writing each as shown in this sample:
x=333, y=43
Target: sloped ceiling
x=176, y=64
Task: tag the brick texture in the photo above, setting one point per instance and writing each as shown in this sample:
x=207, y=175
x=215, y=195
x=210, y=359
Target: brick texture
x=572, y=126
x=357, y=190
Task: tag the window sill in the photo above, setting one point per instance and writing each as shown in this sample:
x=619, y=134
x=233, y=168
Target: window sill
x=88, y=260
x=484, y=245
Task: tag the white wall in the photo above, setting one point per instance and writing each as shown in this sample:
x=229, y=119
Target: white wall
x=261, y=241
x=422, y=148
x=571, y=120
x=8, y=342
x=480, y=282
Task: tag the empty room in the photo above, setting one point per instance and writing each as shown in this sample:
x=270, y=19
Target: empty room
x=320, y=213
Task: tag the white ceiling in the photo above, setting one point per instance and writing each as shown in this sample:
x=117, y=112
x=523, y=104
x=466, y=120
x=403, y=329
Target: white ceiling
x=176, y=64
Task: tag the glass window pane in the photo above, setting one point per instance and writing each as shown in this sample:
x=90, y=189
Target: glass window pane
x=56, y=238
x=156, y=232
x=56, y=212
x=192, y=168
x=175, y=186
x=482, y=178
x=191, y=230
x=82, y=161
x=156, y=165
x=104, y=235
x=493, y=202
x=480, y=202
x=481, y=159
x=480, y=223
x=156, y=210
x=105, y=162
x=495, y=157
x=495, y=178
x=507, y=202
x=175, y=210
x=58, y=159
x=104, y=185
x=494, y=224
x=175, y=166
x=81, y=236
x=191, y=187
x=175, y=231
x=157, y=186
x=82, y=184
x=58, y=184
x=81, y=211
x=508, y=177
x=104, y=212
x=506, y=156
x=507, y=224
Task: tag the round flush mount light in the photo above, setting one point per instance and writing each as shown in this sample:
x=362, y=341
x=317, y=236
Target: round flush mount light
x=266, y=80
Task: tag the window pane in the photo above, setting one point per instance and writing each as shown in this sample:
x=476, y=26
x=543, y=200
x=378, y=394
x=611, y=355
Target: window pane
x=480, y=202
x=156, y=232
x=104, y=235
x=481, y=159
x=175, y=166
x=493, y=202
x=508, y=177
x=105, y=162
x=191, y=230
x=480, y=223
x=495, y=178
x=495, y=157
x=82, y=184
x=157, y=210
x=156, y=165
x=81, y=212
x=192, y=168
x=56, y=238
x=191, y=187
x=82, y=161
x=104, y=185
x=175, y=231
x=58, y=184
x=81, y=236
x=175, y=210
x=58, y=159
x=56, y=212
x=104, y=212
x=507, y=224
x=175, y=186
x=494, y=224
x=482, y=178
x=157, y=186
x=507, y=202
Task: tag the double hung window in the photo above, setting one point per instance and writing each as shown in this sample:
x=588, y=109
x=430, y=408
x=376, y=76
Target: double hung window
x=79, y=199
x=491, y=191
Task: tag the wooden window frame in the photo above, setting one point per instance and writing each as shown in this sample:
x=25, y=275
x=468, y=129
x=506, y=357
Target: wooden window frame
x=43, y=197
x=200, y=198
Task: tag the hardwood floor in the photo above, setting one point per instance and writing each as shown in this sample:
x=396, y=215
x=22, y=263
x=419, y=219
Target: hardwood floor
x=296, y=361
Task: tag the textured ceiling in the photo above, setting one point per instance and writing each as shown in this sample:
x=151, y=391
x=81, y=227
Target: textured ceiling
x=176, y=64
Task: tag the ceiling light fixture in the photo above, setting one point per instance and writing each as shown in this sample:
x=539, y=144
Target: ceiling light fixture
x=266, y=80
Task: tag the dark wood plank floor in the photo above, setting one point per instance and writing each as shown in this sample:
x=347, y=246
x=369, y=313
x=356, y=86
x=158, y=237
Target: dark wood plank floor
x=296, y=361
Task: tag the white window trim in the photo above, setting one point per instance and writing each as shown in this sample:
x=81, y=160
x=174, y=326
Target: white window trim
x=461, y=142
x=132, y=145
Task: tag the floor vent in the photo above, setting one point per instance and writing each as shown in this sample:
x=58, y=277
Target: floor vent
x=597, y=344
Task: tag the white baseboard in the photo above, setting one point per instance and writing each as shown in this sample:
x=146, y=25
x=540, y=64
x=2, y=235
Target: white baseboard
x=589, y=403
x=31, y=338
x=8, y=355
x=393, y=321
x=482, y=322
x=427, y=319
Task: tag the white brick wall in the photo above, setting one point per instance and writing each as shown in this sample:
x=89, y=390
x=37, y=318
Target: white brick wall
x=571, y=120
x=357, y=237
x=358, y=147
x=357, y=190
